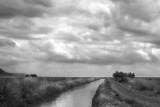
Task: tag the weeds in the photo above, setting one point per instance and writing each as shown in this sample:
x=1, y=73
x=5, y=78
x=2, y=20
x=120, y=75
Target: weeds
x=16, y=92
x=10, y=93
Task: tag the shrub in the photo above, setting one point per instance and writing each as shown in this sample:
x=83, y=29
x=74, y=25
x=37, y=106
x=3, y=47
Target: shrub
x=121, y=76
x=26, y=75
x=131, y=75
x=33, y=75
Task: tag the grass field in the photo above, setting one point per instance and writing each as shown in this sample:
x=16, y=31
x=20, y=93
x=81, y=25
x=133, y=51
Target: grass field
x=136, y=92
x=23, y=92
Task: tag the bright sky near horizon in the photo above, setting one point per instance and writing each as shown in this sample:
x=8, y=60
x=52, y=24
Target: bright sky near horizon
x=80, y=37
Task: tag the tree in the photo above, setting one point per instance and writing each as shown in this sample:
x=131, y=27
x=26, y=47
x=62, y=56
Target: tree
x=131, y=75
x=33, y=75
x=26, y=75
x=121, y=76
x=115, y=74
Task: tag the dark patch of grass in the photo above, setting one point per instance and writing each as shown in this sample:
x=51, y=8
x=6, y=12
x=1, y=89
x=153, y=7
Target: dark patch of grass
x=133, y=103
x=142, y=86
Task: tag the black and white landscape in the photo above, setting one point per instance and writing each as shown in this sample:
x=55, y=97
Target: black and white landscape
x=79, y=53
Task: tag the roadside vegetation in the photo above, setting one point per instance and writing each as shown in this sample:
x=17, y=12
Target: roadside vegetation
x=147, y=86
x=24, y=92
x=106, y=96
x=126, y=90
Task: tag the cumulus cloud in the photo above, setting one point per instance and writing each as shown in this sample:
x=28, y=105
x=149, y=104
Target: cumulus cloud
x=104, y=54
x=99, y=33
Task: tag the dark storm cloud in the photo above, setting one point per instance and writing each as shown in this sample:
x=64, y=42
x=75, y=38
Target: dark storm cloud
x=15, y=35
x=21, y=28
x=26, y=8
x=136, y=31
x=23, y=35
x=6, y=42
x=45, y=3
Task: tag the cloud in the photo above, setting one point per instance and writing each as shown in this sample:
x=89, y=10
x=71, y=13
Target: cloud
x=104, y=54
x=6, y=42
x=138, y=20
x=21, y=28
x=145, y=10
x=99, y=33
x=29, y=8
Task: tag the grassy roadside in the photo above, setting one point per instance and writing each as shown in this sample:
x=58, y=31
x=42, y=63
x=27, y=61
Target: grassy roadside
x=146, y=86
x=105, y=96
x=23, y=92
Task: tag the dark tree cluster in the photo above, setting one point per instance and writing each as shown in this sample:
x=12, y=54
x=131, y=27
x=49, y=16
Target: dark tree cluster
x=31, y=75
x=131, y=75
x=121, y=76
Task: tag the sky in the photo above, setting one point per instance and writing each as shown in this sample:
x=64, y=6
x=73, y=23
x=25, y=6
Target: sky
x=80, y=37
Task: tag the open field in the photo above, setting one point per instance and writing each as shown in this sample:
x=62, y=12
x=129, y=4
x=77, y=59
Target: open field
x=24, y=92
x=136, y=92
